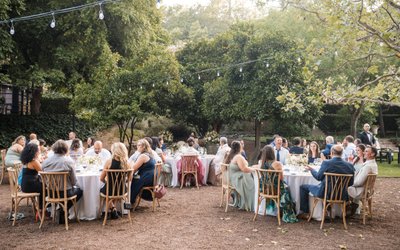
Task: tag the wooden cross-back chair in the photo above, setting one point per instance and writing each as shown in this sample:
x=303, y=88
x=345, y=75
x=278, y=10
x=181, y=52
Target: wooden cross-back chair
x=55, y=192
x=189, y=166
x=17, y=196
x=366, y=197
x=226, y=187
x=3, y=165
x=156, y=177
x=337, y=185
x=116, y=189
x=269, y=189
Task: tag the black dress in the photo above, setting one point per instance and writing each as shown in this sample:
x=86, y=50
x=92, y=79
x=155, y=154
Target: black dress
x=146, y=173
x=31, y=183
x=114, y=165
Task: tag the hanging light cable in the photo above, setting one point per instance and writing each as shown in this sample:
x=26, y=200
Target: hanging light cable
x=53, y=22
x=101, y=13
x=12, y=30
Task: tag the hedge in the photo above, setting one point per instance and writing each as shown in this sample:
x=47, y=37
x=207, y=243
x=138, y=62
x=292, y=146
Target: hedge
x=49, y=127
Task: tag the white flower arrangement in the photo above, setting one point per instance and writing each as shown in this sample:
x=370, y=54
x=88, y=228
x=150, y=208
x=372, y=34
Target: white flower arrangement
x=211, y=137
x=89, y=160
x=298, y=159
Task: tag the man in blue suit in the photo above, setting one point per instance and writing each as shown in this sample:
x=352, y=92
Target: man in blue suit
x=337, y=166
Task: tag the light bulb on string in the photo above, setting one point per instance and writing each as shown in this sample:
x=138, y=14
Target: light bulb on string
x=12, y=30
x=218, y=74
x=181, y=80
x=167, y=82
x=153, y=85
x=299, y=60
x=241, y=70
x=336, y=53
x=101, y=13
x=141, y=87
x=53, y=22
x=267, y=65
x=199, y=77
x=130, y=88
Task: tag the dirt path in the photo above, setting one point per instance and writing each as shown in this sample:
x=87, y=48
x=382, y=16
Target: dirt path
x=192, y=219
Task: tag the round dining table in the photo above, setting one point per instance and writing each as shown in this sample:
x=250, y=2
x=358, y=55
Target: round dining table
x=294, y=177
x=173, y=160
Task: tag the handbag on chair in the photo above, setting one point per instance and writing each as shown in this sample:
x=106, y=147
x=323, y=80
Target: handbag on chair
x=160, y=191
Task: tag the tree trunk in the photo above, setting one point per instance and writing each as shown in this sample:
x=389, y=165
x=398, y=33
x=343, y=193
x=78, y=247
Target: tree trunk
x=381, y=123
x=35, y=101
x=257, y=141
x=355, y=116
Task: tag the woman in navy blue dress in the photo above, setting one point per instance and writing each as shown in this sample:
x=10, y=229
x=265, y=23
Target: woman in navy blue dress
x=144, y=165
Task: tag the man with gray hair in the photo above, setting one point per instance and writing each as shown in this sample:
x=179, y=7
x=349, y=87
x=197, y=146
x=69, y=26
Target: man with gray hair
x=325, y=154
x=215, y=166
x=337, y=166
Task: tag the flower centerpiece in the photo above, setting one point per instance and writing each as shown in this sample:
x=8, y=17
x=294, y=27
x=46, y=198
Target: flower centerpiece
x=167, y=136
x=211, y=138
x=298, y=159
x=89, y=161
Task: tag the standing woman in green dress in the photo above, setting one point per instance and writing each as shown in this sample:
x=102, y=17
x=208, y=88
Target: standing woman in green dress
x=240, y=177
x=286, y=203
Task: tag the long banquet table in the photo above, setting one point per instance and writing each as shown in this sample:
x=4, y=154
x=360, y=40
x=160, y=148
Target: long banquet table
x=173, y=160
x=294, y=179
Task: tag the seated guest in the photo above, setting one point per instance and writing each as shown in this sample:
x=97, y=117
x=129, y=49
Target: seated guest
x=71, y=137
x=75, y=151
x=313, y=152
x=272, y=142
x=137, y=153
x=43, y=149
x=99, y=151
x=369, y=167
x=215, y=165
x=89, y=143
x=241, y=178
x=325, y=154
x=59, y=162
x=118, y=160
x=336, y=165
x=357, y=141
x=14, y=152
x=243, y=152
x=286, y=203
x=144, y=165
x=190, y=150
x=359, y=160
x=31, y=183
x=305, y=145
x=349, y=148
x=32, y=136
x=281, y=153
x=166, y=169
x=285, y=143
x=296, y=149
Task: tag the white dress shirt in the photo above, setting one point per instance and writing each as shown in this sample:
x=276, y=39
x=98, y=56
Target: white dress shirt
x=283, y=155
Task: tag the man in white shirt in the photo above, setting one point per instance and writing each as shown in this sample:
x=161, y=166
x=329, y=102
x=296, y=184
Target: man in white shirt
x=349, y=148
x=369, y=167
x=281, y=153
x=215, y=165
x=71, y=137
x=99, y=151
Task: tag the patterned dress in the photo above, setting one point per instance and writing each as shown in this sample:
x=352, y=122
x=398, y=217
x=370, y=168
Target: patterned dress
x=287, y=205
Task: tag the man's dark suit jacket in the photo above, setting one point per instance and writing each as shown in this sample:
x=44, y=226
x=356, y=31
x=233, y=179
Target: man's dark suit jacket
x=365, y=140
x=336, y=166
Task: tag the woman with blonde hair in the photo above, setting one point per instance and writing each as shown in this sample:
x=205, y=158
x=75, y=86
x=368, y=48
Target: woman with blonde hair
x=14, y=152
x=118, y=160
x=144, y=165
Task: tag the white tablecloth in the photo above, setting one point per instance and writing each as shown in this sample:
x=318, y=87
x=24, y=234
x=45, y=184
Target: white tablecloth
x=205, y=160
x=88, y=205
x=294, y=180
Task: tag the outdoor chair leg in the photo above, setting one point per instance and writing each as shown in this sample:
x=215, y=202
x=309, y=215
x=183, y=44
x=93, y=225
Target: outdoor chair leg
x=323, y=215
x=343, y=215
x=76, y=214
x=182, y=179
x=228, y=193
x=222, y=196
x=197, y=181
x=312, y=209
x=105, y=213
x=15, y=211
x=279, y=211
x=257, y=207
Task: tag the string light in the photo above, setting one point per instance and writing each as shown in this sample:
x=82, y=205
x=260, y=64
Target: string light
x=60, y=11
x=101, y=14
x=199, y=77
x=53, y=22
x=181, y=80
x=12, y=30
x=158, y=4
x=167, y=82
x=267, y=65
x=218, y=74
x=241, y=70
